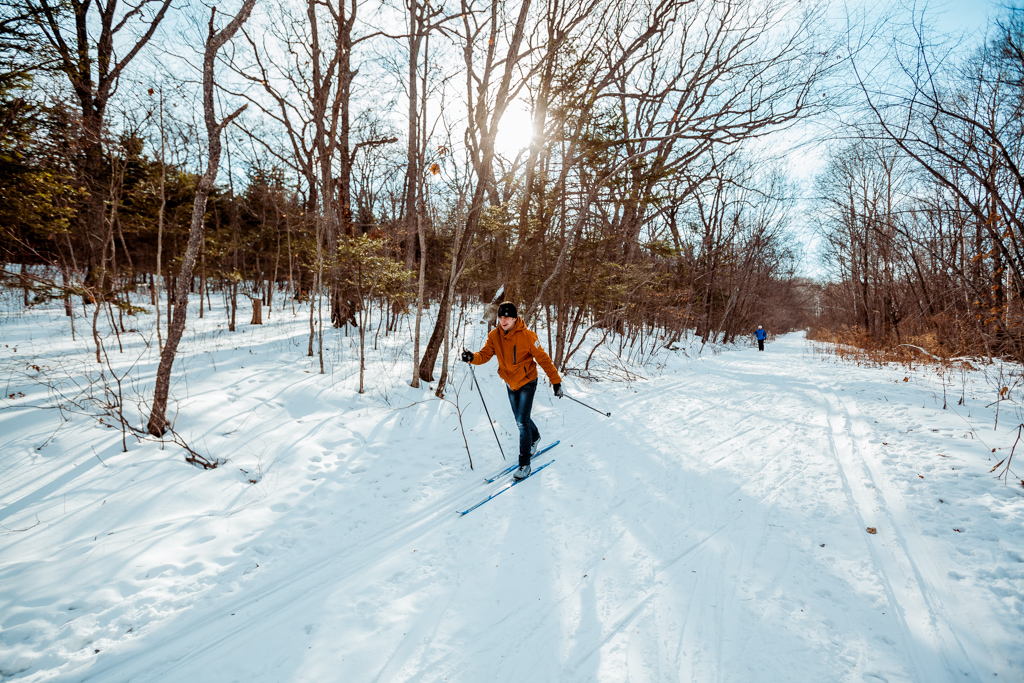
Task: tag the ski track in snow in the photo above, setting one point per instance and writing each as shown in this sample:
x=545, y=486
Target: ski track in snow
x=713, y=529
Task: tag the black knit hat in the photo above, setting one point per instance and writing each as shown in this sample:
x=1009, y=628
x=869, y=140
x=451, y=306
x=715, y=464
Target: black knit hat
x=507, y=310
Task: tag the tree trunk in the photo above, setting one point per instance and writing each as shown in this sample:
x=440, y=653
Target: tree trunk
x=257, y=310
x=458, y=263
x=214, y=41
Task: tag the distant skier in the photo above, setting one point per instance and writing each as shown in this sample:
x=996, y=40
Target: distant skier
x=518, y=353
x=761, y=336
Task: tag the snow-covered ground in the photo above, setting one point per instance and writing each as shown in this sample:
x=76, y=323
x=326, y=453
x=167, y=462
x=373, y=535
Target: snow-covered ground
x=714, y=528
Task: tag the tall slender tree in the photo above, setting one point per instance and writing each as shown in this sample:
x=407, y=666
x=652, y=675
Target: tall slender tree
x=215, y=40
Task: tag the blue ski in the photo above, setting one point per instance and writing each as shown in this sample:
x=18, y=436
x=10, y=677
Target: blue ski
x=508, y=469
x=504, y=488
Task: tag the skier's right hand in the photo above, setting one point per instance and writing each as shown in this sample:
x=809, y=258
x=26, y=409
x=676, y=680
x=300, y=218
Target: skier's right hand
x=467, y=356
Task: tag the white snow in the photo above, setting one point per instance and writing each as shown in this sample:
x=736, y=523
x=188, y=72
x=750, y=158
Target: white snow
x=713, y=528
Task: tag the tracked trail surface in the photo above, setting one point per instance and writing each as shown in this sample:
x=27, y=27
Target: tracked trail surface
x=713, y=530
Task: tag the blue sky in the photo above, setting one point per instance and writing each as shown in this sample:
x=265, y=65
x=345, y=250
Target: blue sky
x=948, y=16
x=969, y=15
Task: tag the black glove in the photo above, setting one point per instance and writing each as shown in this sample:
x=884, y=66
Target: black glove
x=467, y=356
x=557, y=388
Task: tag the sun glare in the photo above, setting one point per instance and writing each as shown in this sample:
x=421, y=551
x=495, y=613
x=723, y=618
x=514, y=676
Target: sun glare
x=514, y=132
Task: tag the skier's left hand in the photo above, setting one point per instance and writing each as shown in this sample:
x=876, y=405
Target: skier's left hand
x=557, y=388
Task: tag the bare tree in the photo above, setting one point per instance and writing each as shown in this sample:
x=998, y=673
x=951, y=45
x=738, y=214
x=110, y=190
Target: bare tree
x=215, y=40
x=486, y=104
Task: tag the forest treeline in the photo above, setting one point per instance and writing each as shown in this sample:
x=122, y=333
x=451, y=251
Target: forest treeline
x=363, y=164
x=920, y=207
x=357, y=165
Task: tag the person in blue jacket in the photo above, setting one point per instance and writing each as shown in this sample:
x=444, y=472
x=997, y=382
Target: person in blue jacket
x=761, y=336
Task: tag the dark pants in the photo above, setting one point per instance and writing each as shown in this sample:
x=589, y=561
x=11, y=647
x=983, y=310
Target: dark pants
x=522, y=403
x=760, y=344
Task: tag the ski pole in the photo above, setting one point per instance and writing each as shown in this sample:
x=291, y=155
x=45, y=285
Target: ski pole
x=584, y=404
x=473, y=372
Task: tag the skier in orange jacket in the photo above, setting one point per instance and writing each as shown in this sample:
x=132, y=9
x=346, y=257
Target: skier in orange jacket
x=518, y=353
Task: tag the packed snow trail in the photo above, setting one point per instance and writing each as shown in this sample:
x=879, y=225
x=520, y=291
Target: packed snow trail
x=714, y=529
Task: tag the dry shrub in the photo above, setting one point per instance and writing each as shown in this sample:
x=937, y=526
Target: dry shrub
x=854, y=345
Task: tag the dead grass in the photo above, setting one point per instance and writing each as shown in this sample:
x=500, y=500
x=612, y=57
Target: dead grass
x=852, y=345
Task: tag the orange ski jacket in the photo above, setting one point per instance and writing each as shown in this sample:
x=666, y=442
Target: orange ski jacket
x=518, y=353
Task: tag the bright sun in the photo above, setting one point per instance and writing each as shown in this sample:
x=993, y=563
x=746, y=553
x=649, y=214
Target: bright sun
x=514, y=132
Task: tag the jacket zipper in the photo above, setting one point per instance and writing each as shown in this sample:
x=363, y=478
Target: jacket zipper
x=513, y=355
